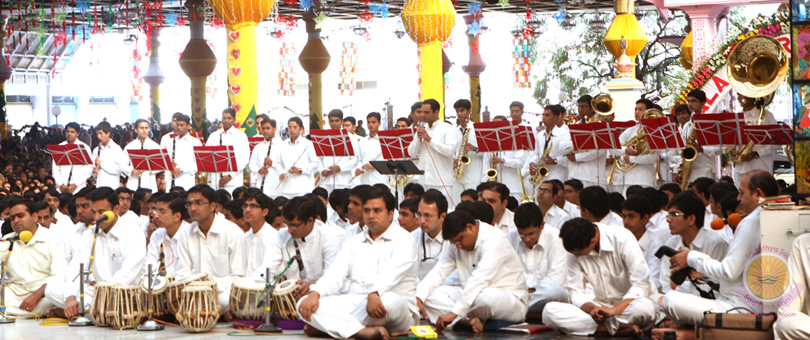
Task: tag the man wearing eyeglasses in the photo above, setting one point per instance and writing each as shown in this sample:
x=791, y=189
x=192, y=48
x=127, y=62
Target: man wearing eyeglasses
x=312, y=244
x=255, y=209
x=497, y=194
x=211, y=244
x=124, y=213
x=493, y=285
x=542, y=257
x=170, y=212
x=429, y=241
x=553, y=215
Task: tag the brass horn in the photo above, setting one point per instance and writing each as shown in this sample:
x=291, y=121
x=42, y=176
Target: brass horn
x=602, y=104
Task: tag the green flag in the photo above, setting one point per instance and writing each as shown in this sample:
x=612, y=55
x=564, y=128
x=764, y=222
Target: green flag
x=250, y=123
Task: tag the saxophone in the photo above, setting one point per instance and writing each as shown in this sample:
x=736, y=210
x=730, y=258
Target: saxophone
x=542, y=171
x=492, y=172
x=642, y=147
x=463, y=158
x=688, y=155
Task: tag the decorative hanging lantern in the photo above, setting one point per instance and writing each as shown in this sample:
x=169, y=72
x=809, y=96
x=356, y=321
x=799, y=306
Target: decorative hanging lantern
x=686, y=52
x=625, y=26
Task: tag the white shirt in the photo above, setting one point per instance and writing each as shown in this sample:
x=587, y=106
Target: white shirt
x=617, y=271
x=387, y=264
x=257, y=244
x=766, y=152
x=130, y=219
x=370, y=150
x=473, y=170
x=800, y=277
x=729, y=271
x=705, y=242
x=184, y=157
x=560, y=143
x=302, y=156
x=221, y=254
x=492, y=263
x=428, y=250
x=507, y=221
x=260, y=153
x=612, y=219
x=347, y=165
x=119, y=255
x=78, y=174
x=644, y=172
x=148, y=177
x=241, y=149
x=319, y=250
x=572, y=209
x=589, y=166
x=41, y=261
x=705, y=162
x=555, y=217
x=113, y=163
x=543, y=264
x=170, y=251
x=659, y=226
x=437, y=158
x=649, y=245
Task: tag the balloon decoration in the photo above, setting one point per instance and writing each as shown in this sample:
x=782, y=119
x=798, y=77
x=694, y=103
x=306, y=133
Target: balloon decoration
x=429, y=23
x=241, y=18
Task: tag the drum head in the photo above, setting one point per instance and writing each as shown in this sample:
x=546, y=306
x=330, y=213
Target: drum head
x=285, y=288
x=249, y=283
x=159, y=284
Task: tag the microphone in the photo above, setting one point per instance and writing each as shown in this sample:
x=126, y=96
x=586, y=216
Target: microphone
x=24, y=236
x=107, y=216
x=733, y=220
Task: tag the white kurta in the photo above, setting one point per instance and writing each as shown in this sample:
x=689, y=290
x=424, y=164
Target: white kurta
x=386, y=266
x=241, y=148
x=300, y=155
x=184, y=157
x=793, y=322
x=649, y=245
x=617, y=272
x=766, y=152
x=589, y=167
x=318, y=251
x=555, y=217
x=256, y=244
x=170, y=250
x=572, y=209
x=704, y=164
x=72, y=174
x=428, y=250
x=506, y=223
x=113, y=163
x=147, y=179
x=705, y=242
x=493, y=284
x=560, y=142
x=544, y=267
x=436, y=157
x=728, y=273
x=644, y=172
x=221, y=254
x=31, y=265
x=370, y=150
x=269, y=181
x=472, y=171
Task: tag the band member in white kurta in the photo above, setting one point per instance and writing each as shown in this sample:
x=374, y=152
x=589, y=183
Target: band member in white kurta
x=336, y=171
x=108, y=157
x=610, y=259
x=558, y=139
x=137, y=178
x=761, y=158
x=370, y=150
x=493, y=285
x=379, y=267
x=230, y=135
x=435, y=146
x=542, y=257
x=587, y=166
x=473, y=170
x=181, y=150
x=163, y=247
x=296, y=162
x=645, y=165
x=211, y=244
x=261, y=160
x=72, y=178
x=705, y=161
x=35, y=269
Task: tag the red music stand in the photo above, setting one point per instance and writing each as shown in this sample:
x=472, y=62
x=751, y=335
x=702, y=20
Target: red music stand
x=253, y=141
x=503, y=136
x=598, y=136
x=719, y=128
x=394, y=143
x=69, y=154
x=150, y=159
x=662, y=133
x=772, y=134
x=331, y=142
x=215, y=159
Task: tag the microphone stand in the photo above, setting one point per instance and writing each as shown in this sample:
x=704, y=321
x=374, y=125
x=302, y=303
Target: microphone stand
x=81, y=320
x=149, y=324
x=3, y=283
x=267, y=326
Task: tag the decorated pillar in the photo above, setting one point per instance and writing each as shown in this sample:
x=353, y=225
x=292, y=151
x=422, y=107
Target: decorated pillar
x=703, y=29
x=197, y=62
x=5, y=74
x=625, y=40
x=241, y=18
x=154, y=77
x=314, y=59
x=429, y=23
x=474, y=67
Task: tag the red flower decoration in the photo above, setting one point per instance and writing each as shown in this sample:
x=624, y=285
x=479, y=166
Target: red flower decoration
x=290, y=3
x=365, y=16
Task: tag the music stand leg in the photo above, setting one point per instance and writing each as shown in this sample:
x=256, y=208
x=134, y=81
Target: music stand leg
x=3, y=318
x=149, y=324
x=82, y=320
x=267, y=326
x=396, y=185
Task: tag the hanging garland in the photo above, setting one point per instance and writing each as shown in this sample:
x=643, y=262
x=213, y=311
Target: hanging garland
x=348, y=63
x=522, y=68
x=286, y=76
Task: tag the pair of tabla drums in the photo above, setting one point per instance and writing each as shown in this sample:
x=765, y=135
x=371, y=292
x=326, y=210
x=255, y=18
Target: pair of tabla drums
x=247, y=302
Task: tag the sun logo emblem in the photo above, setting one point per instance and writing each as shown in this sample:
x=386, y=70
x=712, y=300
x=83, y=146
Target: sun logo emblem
x=767, y=276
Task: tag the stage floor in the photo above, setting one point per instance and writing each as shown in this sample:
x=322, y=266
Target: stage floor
x=30, y=329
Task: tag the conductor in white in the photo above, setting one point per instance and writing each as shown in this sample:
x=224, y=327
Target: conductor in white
x=493, y=285
x=379, y=267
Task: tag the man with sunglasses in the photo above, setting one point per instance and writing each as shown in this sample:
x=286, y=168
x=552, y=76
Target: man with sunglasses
x=493, y=285
x=429, y=241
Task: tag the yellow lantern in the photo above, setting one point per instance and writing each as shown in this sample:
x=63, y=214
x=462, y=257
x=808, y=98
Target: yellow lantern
x=686, y=52
x=625, y=26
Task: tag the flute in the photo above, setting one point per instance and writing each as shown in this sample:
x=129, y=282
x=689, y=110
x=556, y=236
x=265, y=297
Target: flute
x=293, y=165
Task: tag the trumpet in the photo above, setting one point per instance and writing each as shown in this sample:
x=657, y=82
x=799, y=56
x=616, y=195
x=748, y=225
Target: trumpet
x=293, y=165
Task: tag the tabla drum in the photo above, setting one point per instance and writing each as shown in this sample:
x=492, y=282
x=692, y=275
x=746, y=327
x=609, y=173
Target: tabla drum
x=102, y=302
x=246, y=300
x=159, y=284
x=284, y=301
x=199, y=310
x=160, y=293
x=174, y=290
x=128, y=307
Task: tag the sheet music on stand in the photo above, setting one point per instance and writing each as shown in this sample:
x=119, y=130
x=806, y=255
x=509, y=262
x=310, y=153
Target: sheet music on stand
x=69, y=154
x=598, y=136
x=150, y=159
x=503, y=136
x=332, y=142
x=771, y=134
x=719, y=128
x=394, y=143
x=215, y=159
x=662, y=133
x=253, y=141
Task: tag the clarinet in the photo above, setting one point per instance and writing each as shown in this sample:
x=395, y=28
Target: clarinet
x=174, y=148
x=269, y=147
x=94, y=175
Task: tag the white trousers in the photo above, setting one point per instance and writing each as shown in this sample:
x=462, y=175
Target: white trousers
x=688, y=309
x=459, y=187
x=793, y=326
x=451, y=201
x=53, y=298
x=491, y=304
x=342, y=316
x=545, y=294
x=570, y=319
